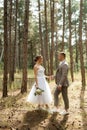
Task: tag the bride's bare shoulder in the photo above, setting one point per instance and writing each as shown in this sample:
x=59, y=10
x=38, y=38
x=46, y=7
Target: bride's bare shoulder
x=36, y=67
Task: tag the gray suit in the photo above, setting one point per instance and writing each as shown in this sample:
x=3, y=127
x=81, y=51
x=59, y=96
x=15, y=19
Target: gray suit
x=61, y=79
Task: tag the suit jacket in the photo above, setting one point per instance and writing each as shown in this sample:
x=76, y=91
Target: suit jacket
x=61, y=74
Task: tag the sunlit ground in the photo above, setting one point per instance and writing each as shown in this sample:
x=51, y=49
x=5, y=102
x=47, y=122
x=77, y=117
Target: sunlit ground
x=16, y=113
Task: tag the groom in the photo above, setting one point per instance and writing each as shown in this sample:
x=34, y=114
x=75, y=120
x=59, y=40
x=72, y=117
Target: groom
x=61, y=83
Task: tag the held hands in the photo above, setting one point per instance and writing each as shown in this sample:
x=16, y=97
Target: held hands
x=59, y=87
x=51, y=77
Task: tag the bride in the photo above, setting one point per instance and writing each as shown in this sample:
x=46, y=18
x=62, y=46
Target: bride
x=40, y=82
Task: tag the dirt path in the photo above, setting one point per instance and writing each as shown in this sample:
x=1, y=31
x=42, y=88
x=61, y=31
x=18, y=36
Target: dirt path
x=16, y=114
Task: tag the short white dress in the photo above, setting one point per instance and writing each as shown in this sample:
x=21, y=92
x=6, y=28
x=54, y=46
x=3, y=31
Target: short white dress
x=45, y=97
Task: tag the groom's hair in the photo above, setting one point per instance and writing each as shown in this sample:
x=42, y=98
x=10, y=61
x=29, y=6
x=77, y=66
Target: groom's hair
x=63, y=54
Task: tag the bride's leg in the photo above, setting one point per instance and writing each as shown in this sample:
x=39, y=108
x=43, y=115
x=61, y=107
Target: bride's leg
x=47, y=106
x=40, y=106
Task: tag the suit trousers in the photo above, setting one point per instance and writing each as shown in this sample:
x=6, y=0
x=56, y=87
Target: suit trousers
x=64, y=92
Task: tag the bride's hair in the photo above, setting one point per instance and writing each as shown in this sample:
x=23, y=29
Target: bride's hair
x=37, y=58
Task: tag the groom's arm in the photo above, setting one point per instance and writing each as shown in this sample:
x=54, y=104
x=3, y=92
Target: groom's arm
x=64, y=75
x=53, y=77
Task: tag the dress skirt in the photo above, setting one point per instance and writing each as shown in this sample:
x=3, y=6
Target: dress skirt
x=45, y=97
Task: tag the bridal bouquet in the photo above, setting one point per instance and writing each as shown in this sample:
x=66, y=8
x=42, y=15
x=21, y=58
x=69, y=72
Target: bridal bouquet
x=38, y=91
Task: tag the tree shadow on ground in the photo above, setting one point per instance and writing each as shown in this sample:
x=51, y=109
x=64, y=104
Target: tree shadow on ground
x=57, y=124
x=33, y=119
x=83, y=109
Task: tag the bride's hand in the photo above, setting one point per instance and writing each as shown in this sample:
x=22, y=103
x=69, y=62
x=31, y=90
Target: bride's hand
x=51, y=77
x=46, y=76
x=36, y=86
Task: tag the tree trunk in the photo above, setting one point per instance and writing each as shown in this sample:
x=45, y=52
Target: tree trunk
x=40, y=30
x=86, y=43
x=56, y=51
x=19, y=47
x=40, y=34
x=10, y=45
x=76, y=59
x=5, y=76
x=25, y=42
x=81, y=47
x=46, y=36
x=70, y=44
x=52, y=36
x=32, y=58
x=63, y=25
x=15, y=41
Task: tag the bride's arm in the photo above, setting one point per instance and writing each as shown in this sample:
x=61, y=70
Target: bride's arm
x=47, y=76
x=35, y=73
x=51, y=77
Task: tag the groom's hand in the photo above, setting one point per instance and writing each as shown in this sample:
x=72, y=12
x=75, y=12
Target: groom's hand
x=52, y=77
x=59, y=87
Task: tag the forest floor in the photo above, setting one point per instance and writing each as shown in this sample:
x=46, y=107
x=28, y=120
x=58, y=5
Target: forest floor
x=17, y=114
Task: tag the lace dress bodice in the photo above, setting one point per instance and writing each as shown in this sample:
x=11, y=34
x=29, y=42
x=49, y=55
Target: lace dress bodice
x=40, y=72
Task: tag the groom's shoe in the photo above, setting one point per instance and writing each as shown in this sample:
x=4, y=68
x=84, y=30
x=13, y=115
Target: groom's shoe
x=64, y=113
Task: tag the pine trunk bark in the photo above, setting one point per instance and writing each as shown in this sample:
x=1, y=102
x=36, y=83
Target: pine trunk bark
x=86, y=43
x=46, y=37
x=40, y=29
x=76, y=59
x=19, y=47
x=52, y=36
x=63, y=25
x=5, y=76
x=10, y=46
x=70, y=44
x=81, y=47
x=42, y=51
x=56, y=51
x=25, y=49
x=15, y=42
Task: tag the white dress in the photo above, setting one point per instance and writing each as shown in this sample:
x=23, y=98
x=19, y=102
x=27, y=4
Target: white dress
x=46, y=97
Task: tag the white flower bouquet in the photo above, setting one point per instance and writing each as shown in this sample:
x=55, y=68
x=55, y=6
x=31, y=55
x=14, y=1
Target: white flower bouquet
x=38, y=92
